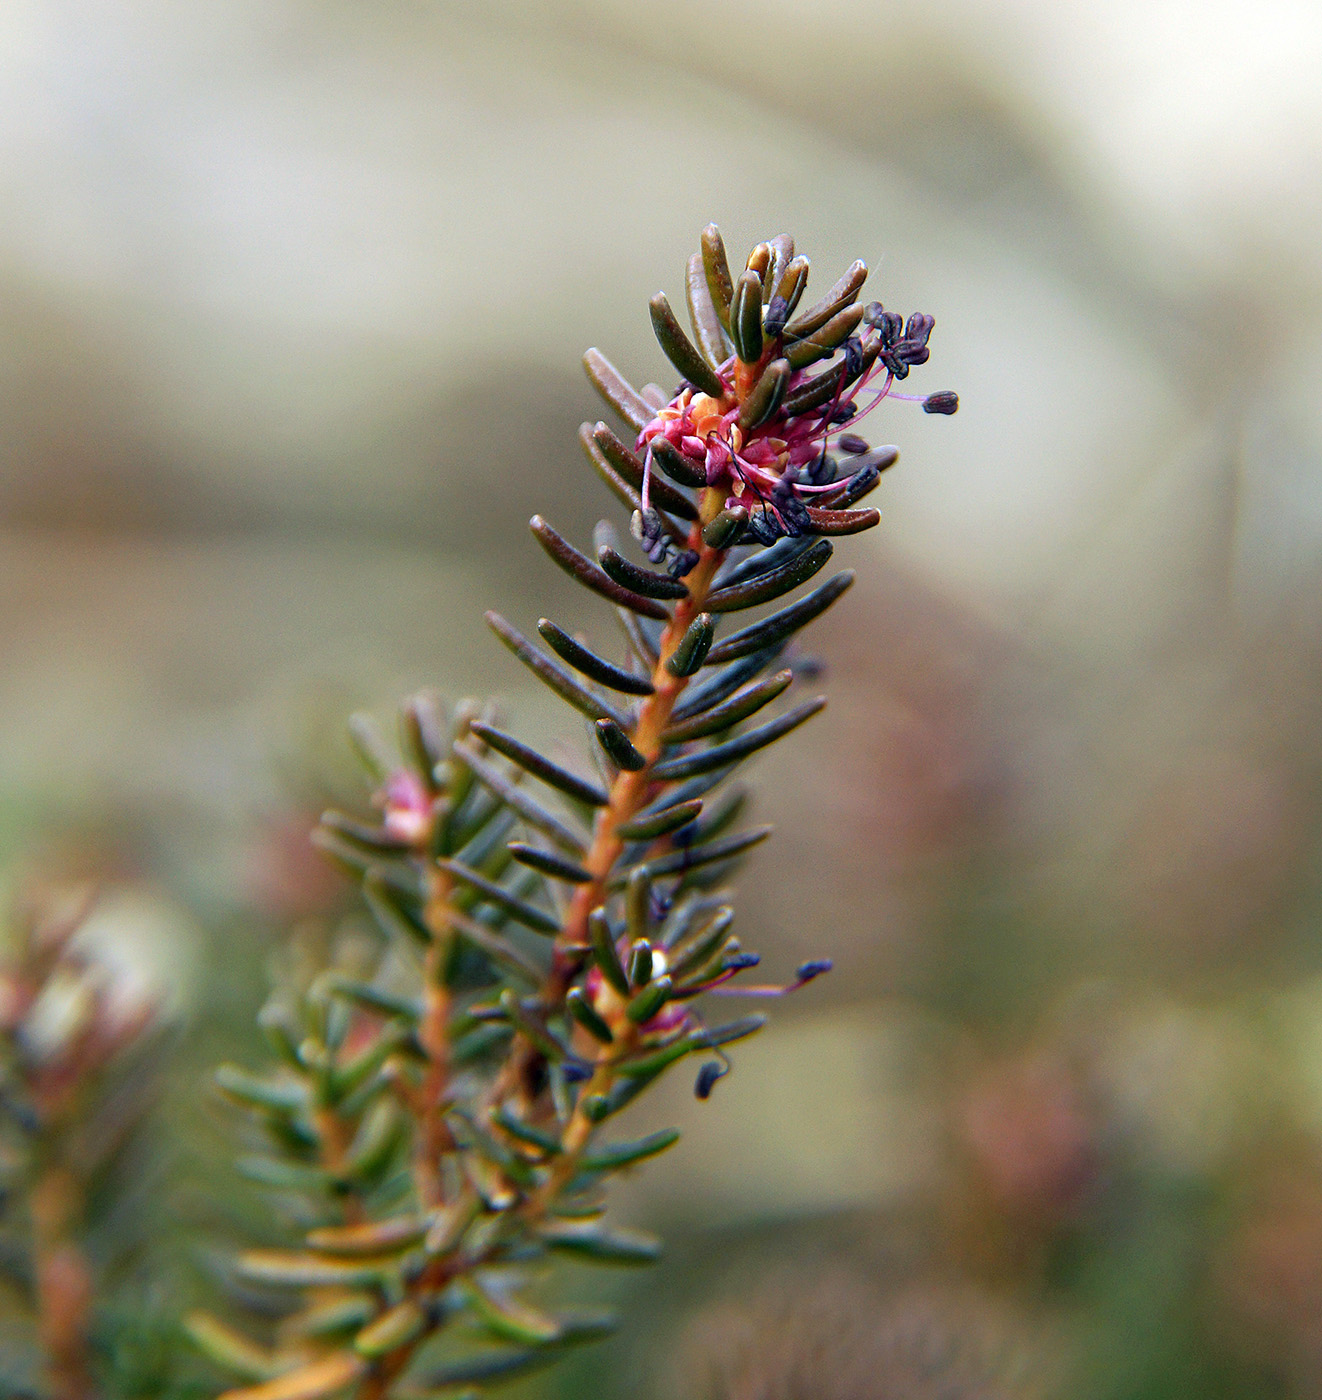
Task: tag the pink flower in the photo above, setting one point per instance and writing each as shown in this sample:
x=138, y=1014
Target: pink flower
x=408, y=808
x=778, y=465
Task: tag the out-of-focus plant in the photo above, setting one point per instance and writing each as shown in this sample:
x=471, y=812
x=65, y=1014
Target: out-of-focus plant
x=434, y=1125
x=76, y=1077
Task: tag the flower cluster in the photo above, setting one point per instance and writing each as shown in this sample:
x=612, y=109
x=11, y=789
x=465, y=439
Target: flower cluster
x=761, y=424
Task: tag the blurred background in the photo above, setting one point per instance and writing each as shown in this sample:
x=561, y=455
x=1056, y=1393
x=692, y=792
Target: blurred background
x=292, y=299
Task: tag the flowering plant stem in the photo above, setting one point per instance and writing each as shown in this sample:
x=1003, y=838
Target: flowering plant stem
x=454, y=1128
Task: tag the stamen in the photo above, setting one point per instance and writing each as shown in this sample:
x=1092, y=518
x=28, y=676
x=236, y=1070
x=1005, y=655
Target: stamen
x=807, y=972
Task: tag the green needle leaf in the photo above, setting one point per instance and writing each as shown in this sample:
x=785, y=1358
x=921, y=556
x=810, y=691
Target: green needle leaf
x=550, y=672
x=595, y=667
x=783, y=624
x=540, y=767
x=721, y=755
x=681, y=351
x=617, y=391
x=579, y=567
x=702, y=313
x=688, y=656
x=538, y=920
x=843, y=294
x=716, y=267
x=737, y=708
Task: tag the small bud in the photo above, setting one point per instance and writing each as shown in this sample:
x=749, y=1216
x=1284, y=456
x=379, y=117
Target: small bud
x=640, y=963
x=944, y=401
x=722, y=531
x=693, y=646
x=617, y=744
x=851, y=443
x=649, y=1001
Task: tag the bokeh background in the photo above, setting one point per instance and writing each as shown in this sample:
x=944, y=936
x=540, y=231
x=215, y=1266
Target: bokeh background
x=292, y=299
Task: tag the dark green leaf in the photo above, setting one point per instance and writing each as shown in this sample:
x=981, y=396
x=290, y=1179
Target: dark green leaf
x=692, y=857
x=629, y=466
x=371, y=839
x=719, y=684
x=595, y=667
x=252, y=1091
x=762, y=560
x=782, y=252
x=529, y=809
x=660, y=823
x=680, y=350
x=552, y=673
x=640, y=1070
x=605, y=954
x=638, y=905
x=549, y=863
x=616, y=390
x=525, y=1132
x=378, y=1237
x=579, y=567
x=722, y=530
x=521, y=912
x=768, y=586
x=650, y=1000
x=425, y=737
x=483, y=849
x=702, y=313
x=721, y=755
x=618, y=746
x=393, y=1329
x=713, y=1036
x=500, y=950
x=766, y=395
x=370, y=746
x=624, y=492
x=539, y=766
x=380, y=1136
x=691, y=652
x=285, y=1175
x=582, y=1010
x=812, y=393
x=678, y=467
x=624, y=1154
x=601, y=1244
x=722, y=813
x=395, y=914
x=843, y=294
x=736, y=709
x=716, y=266
x=783, y=624
x=867, y=469
x=651, y=585
x=746, y=318
x=508, y=1317
x=528, y=1022
x=375, y=998
x=700, y=947
x=825, y=341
